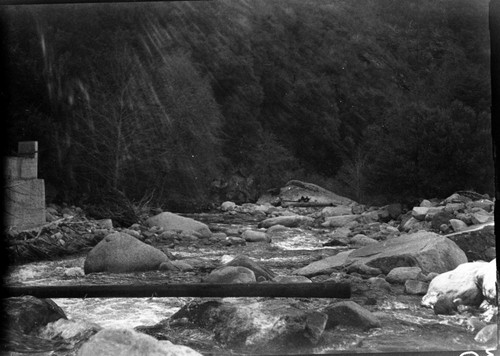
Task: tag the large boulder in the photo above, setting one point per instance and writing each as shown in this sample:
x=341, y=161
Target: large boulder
x=170, y=221
x=488, y=282
x=121, y=253
x=111, y=342
x=28, y=314
x=267, y=326
x=429, y=251
x=324, y=266
x=476, y=241
x=463, y=284
x=296, y=193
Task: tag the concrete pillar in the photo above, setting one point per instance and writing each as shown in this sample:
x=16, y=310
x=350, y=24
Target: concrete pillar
x=24, y=192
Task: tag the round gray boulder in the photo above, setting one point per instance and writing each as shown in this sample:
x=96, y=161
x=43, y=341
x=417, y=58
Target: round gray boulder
x=122, y=253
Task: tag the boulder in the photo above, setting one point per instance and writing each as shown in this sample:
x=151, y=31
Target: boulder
x=402, y=274
x=122, y=253
x=288, y=221
x=458, y=225
x=228, y=206
x=463, y=283
x=339, y=221
x=419, y=213
x=362, y=240
x=111, y=342
x=390, y=212
x=488, y=334
x=440, y=218
x=258, y=270
x=170, y=221
x=254, y=236
x=275, y=229
x=475, y=241
x=485, y=204
x=413, y=286
x=426, y=203
x=336, y=211
x=301, y=193
x=427, y=250
x=488, y=281
x=324, y=266
x=28, y=314
x=267, y=326
x=481, y=217
x=230, y=274
x=379, y=283
x=350, y=313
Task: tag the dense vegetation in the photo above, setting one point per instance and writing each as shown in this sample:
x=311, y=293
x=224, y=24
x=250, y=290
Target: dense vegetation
x=378, y=100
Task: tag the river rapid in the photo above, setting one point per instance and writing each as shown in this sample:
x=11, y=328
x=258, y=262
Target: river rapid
x=406, y=326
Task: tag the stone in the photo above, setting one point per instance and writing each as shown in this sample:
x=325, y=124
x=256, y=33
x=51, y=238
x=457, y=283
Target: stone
x=481, y=217
x=488, y=334
x=350, y=313
x=425, y=204
x=419, y=213
x=296, y=192
x=230, y=274
x=275, y=229
x=336, y=211
x=122, y=253
x=429, y=251
x=27, y=314
x=362, y=240
x=458, y=225
x=465, y=217
x=111, y=342
x=409, y=224
x=488, y=281
x=475, y=242
x=170, y=221
x=369, y=217
x=228, y=206
x=258, y=270
x=254, y=236
x=444, y=306
x=288, y=221
x=324, y=266
x=267, y=326
x=417, y=287
x=485, y=204
x=402, y=274
x=182, y=266
x=463, y=283
x=379, y=283
x=291, y=279
x=339, y=221
x=454, y=207
x=441, y=218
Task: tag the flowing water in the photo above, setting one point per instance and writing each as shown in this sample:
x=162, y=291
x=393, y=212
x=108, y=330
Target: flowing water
x=405, y=325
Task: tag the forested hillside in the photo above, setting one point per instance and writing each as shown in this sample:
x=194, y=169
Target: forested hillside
x=179, y=103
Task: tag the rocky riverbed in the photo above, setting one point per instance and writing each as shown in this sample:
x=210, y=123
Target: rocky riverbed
x=344, y=242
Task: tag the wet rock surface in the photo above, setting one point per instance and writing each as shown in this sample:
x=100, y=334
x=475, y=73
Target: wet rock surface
x=385, y=301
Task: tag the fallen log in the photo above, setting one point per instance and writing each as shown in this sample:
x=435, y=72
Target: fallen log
x=289, y=290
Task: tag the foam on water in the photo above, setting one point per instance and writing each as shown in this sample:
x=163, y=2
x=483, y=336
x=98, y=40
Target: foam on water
x=121, y=312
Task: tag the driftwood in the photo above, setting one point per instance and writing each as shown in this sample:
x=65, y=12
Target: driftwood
x=290, y=290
